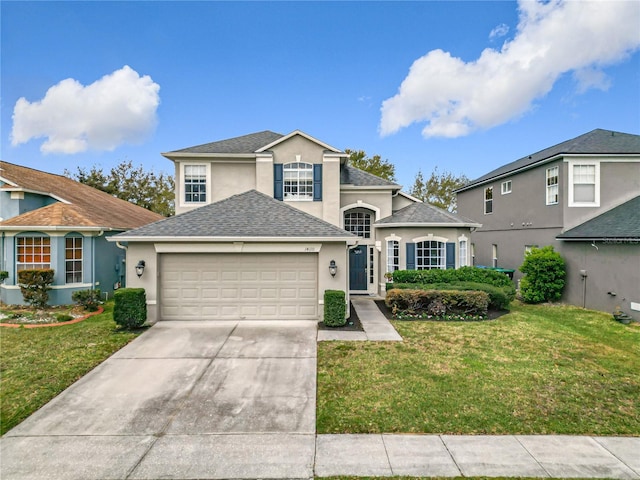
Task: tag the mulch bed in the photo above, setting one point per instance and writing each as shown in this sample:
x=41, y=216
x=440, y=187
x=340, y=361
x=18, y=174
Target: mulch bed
x=353, y=323
x=55, y=324
x=386, y=311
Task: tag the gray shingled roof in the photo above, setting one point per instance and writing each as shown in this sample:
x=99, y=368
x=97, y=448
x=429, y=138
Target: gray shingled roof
x=244, y=144
x=359, y=178
x=621, y=222
x=595, y=142
x=423, y=213
x=249, y=214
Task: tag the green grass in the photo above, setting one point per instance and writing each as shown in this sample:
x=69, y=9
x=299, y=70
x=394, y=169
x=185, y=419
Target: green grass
x=37, y=364
x=537, y=370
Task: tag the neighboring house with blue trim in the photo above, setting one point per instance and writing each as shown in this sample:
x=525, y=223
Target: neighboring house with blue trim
x=581, y=196
x=51, y=221
x=262, y=217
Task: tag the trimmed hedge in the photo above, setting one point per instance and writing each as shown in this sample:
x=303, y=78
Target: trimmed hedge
x=544, y=275
x=499, y=297
x=130, y=307
x=437, y=303
x=35, y=286
x=463, y=274
x=334, y=308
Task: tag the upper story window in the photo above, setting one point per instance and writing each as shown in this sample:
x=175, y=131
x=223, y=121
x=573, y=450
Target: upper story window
x=195, y=183
x=393, y=255
x=431, y=254
x=298, y=181
x=33, y=253
x=73, y=259
x=358, y=222
x=552, y=185
x=488, y=200
x=584, y=184
x=506, y=187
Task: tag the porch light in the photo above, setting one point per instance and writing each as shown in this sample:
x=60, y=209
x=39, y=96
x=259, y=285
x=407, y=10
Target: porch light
x=333, y=268
x=140, y=268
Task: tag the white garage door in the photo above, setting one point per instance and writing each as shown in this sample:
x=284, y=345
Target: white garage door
x=222, y=286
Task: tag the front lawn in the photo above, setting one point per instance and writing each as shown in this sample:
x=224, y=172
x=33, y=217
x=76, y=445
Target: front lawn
x=537, y=370
x=37, y=364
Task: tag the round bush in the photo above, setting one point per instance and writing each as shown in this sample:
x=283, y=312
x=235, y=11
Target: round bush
x=544, y=275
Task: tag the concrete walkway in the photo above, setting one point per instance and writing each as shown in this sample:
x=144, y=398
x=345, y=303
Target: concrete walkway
x=375, y=325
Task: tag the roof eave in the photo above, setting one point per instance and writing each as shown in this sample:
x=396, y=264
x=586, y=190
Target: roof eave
x=58, y=228
x=350, y=186
x=181, y=155
x=427, y=224
x=125, y=238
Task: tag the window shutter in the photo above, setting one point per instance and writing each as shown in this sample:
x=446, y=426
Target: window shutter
x=277, y=181
x=411, y=256
x=451, y=255
x=317, y=182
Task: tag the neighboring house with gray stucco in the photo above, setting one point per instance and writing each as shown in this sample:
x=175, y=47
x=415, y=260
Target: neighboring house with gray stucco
x=261, y=221
x=580, y=196
x=49, y=221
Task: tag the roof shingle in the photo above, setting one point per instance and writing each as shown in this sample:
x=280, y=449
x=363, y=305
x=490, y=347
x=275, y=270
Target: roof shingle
x=424, y=214
x=86, y=205
x=359, y=178
x=244, y=144
x=621, y=222
x=249, y=214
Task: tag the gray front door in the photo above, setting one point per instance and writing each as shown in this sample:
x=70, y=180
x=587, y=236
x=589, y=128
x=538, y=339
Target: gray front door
x=358, y=268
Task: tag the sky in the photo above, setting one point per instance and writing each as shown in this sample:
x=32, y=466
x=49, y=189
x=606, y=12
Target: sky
x=464, y=87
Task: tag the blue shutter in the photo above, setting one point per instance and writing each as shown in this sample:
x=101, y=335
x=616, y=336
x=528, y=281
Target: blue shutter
x=277, y=181
x=317, y=182
x=411, y=256
x=451, y=255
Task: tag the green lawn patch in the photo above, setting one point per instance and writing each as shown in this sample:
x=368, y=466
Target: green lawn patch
x=537, y=370
x=37, y=364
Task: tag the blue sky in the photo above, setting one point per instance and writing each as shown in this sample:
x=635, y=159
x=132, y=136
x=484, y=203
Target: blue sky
x=464, y=86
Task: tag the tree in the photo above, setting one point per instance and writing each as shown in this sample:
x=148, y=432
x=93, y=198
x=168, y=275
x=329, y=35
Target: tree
x=374, y=165
x=439, y=189
x=150, y=190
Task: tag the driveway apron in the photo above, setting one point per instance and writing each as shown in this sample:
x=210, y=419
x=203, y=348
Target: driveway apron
x=184, y=400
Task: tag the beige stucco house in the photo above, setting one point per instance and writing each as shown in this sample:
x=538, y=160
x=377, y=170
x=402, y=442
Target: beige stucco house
x=261, y=218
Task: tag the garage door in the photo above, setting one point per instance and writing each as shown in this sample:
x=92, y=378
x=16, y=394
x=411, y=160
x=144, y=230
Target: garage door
x=225, y=286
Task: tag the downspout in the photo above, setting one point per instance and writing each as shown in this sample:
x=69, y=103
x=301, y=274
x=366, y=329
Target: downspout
x=122, y=277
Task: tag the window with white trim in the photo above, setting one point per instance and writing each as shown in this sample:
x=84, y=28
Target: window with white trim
x=371, y=257
x=358, y=222
x=488, y=200
x=462, y=253
x=552, y=185
x=298, y=181
x=430, y=255
x=393, y=256
x=33, y=253
x=583, y=184
x=73, y=259
x=494, y=255
x=195, y=183
x=473, y=254
x=505, y=188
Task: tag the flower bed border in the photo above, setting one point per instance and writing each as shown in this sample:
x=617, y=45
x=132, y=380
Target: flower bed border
x=39, y=325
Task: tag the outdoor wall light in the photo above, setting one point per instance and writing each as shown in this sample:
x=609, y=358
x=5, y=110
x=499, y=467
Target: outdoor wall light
x=333, y=268
x=140, y=268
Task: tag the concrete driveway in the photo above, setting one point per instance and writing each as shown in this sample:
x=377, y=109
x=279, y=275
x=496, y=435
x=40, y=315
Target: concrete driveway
x=184, y=400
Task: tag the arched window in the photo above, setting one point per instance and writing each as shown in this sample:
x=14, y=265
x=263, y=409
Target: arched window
x=431, y=254
x=33, y=253
x=358, y=222
x=298, y=181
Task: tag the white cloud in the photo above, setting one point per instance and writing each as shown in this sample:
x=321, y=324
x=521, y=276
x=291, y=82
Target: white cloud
x=500, y=31
x=553, y=37
x=119, y=108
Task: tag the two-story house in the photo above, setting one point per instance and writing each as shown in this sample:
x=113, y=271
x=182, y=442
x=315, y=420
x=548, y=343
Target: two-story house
x=49, y=221
x=267, y=222
x=582, y=197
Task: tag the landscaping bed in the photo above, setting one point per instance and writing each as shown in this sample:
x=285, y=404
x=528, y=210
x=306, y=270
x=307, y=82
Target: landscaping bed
x=353, y=323
x=22, y=315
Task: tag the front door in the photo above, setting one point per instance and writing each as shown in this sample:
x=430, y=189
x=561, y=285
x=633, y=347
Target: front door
x=358, y=268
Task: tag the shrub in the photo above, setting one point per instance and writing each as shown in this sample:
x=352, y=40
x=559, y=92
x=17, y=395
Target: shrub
x=499, y=297
x=334, y=308
x=437, y=303
x=463, y=274
x=35, y=286
x=89, y=299
x=544, y=275
x=3, y=275
x=63, y=317
x=130, y=307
